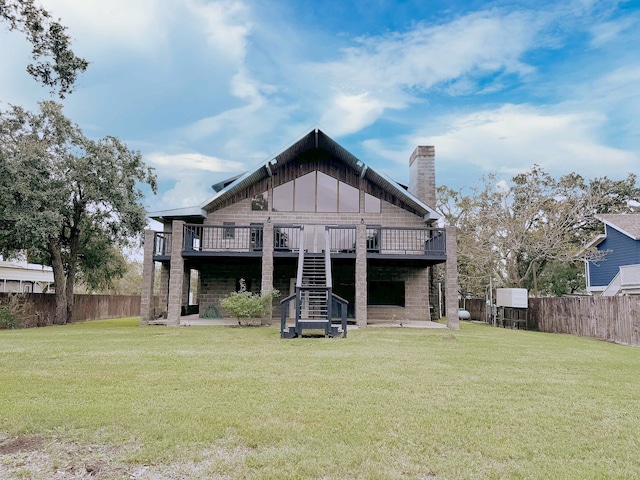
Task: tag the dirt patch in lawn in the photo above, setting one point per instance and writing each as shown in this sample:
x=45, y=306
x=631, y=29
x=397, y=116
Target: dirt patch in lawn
x=10, y=446
x=36, y=458
x=39, y=458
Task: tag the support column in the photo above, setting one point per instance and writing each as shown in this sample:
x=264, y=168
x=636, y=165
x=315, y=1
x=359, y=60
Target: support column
x=266, y=285
x=176, y=274
x=361, y=275
x=146, y=299
x=451, y=279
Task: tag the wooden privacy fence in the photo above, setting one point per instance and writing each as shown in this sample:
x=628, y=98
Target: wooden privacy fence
x=86, y=307
x=614, y=319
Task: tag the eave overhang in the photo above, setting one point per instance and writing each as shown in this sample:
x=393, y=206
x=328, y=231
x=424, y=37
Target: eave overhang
x=188, y=214
x=617, y=227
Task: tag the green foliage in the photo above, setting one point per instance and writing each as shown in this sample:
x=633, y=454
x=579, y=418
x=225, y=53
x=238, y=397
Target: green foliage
x=55, y=65
x=7, y=318
x=70, y=201
x=245, y=305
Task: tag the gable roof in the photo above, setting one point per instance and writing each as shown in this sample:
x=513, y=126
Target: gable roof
x=626, y=223
x=317, y=139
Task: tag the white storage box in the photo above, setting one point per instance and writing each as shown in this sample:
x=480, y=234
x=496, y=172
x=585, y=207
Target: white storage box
x=512, y=297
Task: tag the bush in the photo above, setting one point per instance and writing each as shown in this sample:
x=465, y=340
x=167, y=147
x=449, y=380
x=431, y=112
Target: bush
x=18, y=311
x=7, y=319
x=246, y=305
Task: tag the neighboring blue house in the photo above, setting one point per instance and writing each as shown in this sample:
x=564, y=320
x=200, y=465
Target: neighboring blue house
x=619, y=271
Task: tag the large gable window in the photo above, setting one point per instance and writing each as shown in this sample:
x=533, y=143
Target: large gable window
x=349, y=199
x=283, y=197
x=327, y=193
x=371, y=204
x=316, y=192
x=305, y=193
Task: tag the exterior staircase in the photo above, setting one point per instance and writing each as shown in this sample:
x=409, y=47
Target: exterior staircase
x=313, y=305
x=313, y=297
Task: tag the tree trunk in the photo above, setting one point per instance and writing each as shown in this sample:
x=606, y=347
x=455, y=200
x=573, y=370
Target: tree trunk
x=70, y=298
x=60, y=317
x=74, y=248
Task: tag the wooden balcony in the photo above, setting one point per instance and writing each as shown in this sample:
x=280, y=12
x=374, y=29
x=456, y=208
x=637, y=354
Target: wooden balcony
x=398, y=243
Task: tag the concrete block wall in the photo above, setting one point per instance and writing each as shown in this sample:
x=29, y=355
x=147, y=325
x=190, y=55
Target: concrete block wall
x=217, y=280
x=390, y=215
x=176, y=275
x=416, y=280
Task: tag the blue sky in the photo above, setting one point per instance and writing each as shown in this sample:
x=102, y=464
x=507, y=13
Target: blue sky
x=208, y=89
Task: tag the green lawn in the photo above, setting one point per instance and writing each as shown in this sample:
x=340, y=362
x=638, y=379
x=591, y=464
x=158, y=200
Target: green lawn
x=480, y=403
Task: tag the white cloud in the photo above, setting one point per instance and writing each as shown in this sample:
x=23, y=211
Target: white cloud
x=607, y=31
x=512, y=138
x=193, y=161
x=350, y=113
x=393, y=71
x=190, y=176
x=226, y=24
x=502, y=187
x=97, y=25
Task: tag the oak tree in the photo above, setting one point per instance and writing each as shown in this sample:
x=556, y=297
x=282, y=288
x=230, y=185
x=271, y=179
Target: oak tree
x=510, y=233
x=54, y=63
x=66, y=199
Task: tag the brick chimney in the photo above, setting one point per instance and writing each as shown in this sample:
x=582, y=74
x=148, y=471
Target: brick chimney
x=422, y=174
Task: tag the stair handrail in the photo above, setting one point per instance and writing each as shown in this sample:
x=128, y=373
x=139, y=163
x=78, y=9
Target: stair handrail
x=284, y=310
x=343, y=312
x=327, y=257
x=327, y=273
x=300, y=257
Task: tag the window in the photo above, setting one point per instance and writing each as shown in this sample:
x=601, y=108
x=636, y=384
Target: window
x=229, y=231
x=386, y=293
x=316, y=192
x=371, y=204
x=349, y=198
x=327, y=193
x=260, y=201
x=283, y=197
x=305, y=193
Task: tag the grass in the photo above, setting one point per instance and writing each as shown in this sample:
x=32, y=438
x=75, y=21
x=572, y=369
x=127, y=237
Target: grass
x=481, y=402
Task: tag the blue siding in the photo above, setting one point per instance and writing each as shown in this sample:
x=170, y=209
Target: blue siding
x=624, y=251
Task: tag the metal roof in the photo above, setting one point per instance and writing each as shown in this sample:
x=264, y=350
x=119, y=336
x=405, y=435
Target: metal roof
x=178, y=214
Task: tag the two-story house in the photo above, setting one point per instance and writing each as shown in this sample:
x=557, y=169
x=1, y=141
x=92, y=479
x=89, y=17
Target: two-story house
x=619, y=271
x=317, y=224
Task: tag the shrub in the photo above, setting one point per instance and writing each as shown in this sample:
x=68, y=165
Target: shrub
x=19, y=312
x=246, y=305
x=7, y=319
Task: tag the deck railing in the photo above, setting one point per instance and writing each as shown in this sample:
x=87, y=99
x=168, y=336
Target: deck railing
x=406, y=240
x=162, y=244
x=223, y=238
x=342, y=238
x=286, y=238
